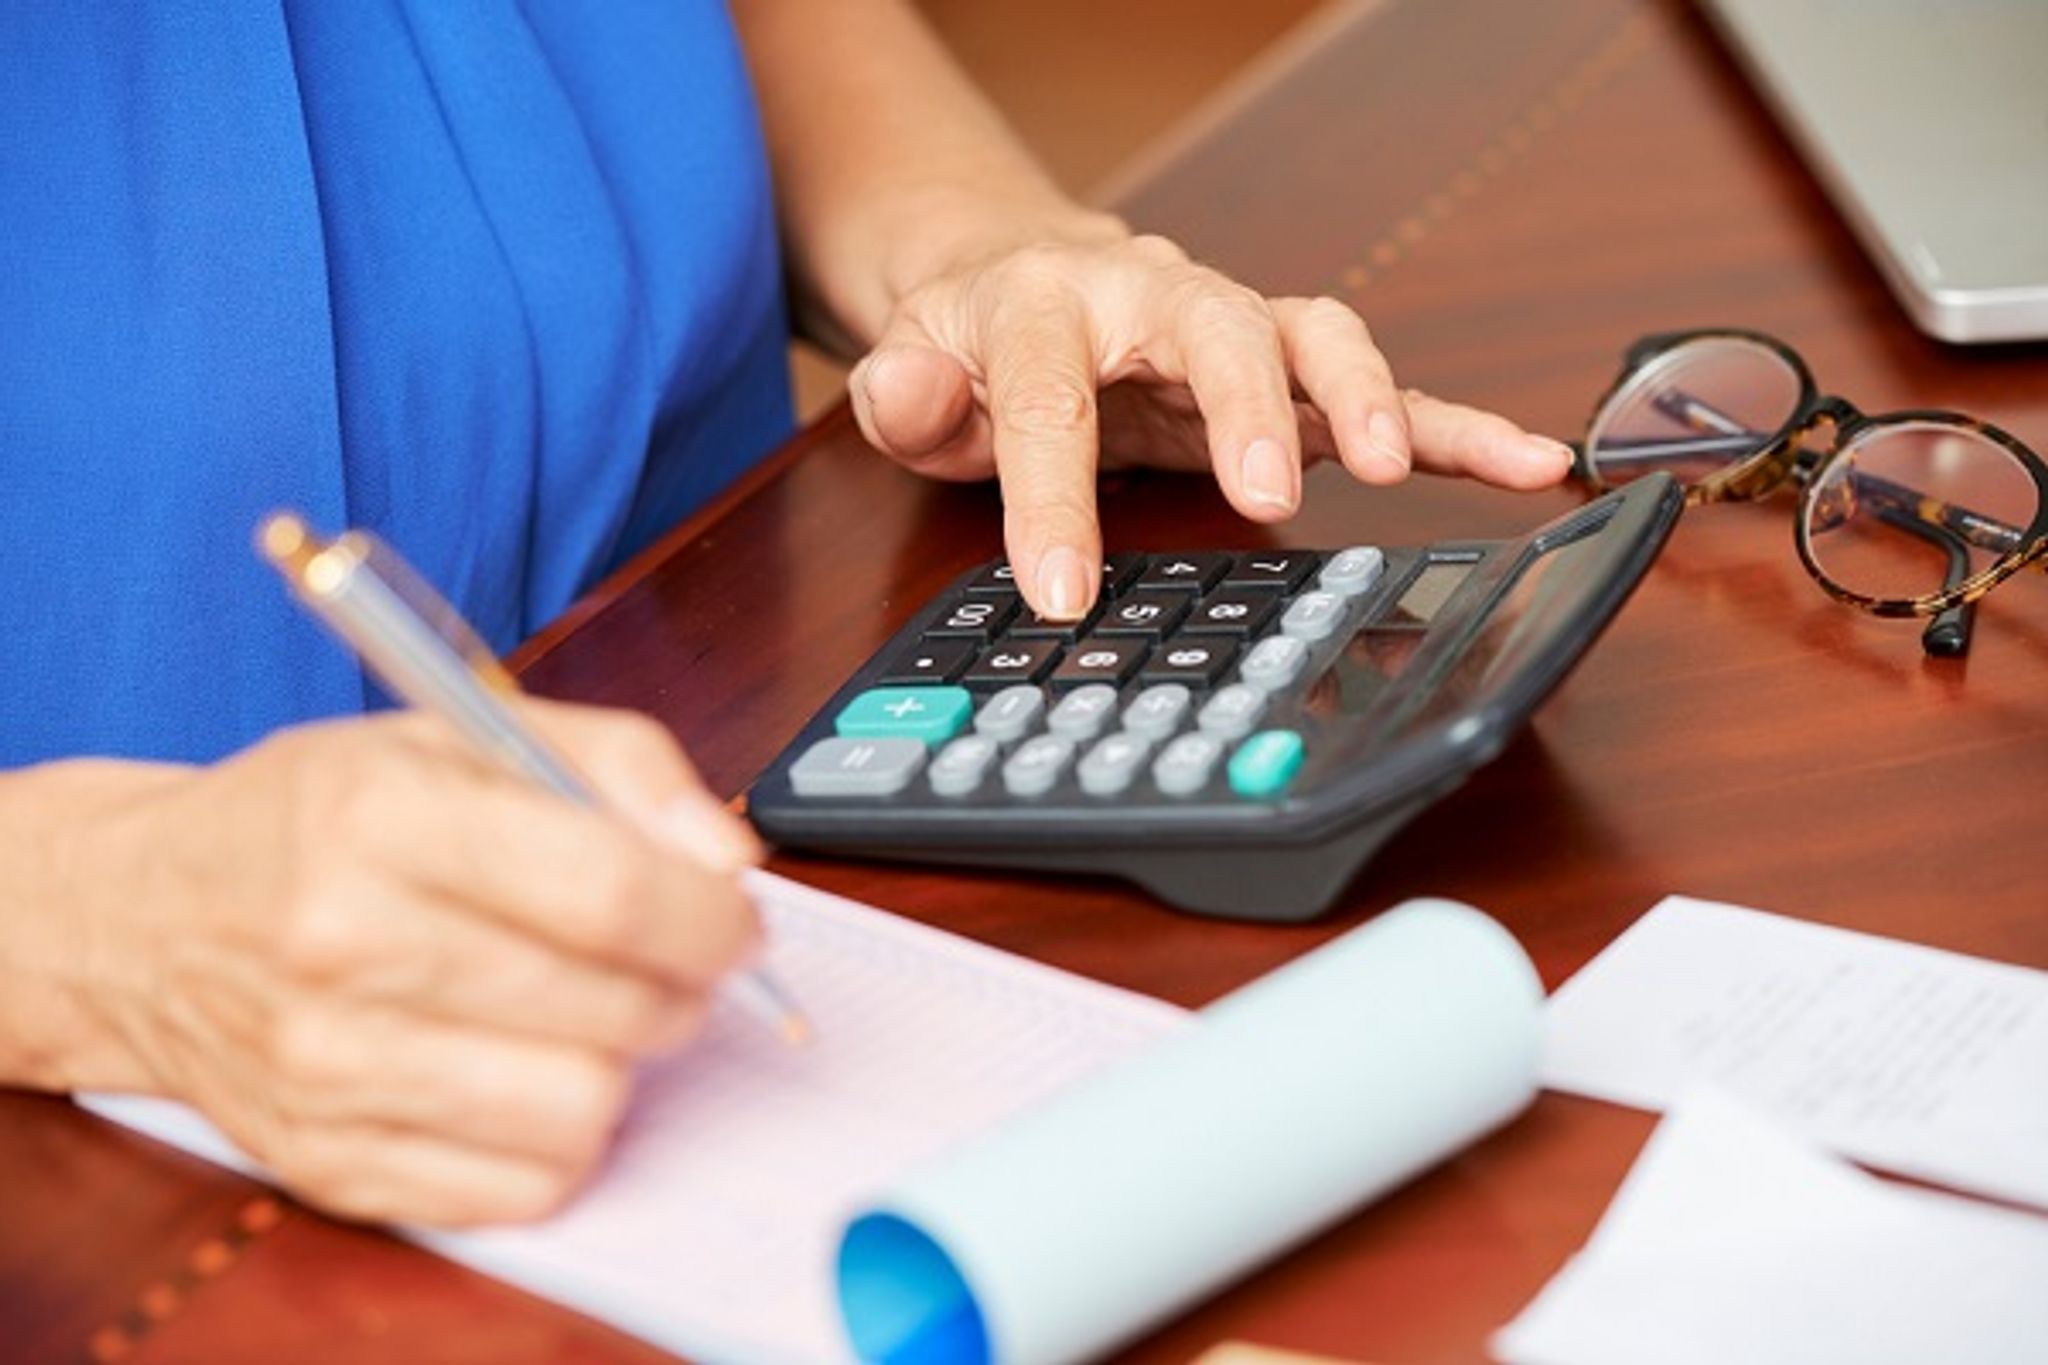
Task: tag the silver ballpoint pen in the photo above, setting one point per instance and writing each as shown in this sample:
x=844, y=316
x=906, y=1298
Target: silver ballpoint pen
x=428, y=656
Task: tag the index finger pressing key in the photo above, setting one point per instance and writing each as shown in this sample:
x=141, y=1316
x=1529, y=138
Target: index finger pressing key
x=1041, y=382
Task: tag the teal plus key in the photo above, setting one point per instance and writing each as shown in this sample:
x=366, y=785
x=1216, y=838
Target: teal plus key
x=1264, y=764
x=932, y=714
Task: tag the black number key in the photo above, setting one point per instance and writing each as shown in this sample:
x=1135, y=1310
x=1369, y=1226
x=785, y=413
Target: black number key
x=997, y=577
x=1197, y=661
x=974, y=617
x=1118, y=571
x=931, y=661
x=1030, y=625
x=1144, y=613
x=1233, y=613
x=1282, y=569
x=1101, y=658
x=1014, y=661
x=1195, y=572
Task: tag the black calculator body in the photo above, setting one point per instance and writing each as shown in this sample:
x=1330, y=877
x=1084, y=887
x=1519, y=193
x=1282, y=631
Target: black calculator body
x=1235, y=732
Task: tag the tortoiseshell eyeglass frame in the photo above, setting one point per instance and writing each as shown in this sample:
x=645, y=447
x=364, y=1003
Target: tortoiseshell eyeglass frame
x=1785, y=456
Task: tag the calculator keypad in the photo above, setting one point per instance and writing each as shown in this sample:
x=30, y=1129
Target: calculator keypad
x=1160, y=692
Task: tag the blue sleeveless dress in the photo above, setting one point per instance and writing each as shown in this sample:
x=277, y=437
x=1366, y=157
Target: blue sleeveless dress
x=496, y=279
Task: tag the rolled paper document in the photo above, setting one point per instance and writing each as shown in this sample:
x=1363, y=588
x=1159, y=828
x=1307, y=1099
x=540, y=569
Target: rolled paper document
x=1286, y=1106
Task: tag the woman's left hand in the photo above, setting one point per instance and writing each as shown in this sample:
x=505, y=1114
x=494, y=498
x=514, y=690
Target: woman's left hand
x=1040, y=362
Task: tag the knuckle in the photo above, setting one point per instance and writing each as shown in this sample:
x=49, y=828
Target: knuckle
x=1158, y=250
x=358, y=797
x=304, y=1048
x=1207, y=301
x=1325, y=313
x=1035, y=270
x=319, y=936
x=1049, y=403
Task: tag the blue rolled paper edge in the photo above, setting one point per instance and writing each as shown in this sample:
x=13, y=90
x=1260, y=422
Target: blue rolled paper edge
x=903, y=1299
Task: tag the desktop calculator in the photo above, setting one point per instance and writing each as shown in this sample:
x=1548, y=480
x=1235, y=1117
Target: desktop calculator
x=1237, y=732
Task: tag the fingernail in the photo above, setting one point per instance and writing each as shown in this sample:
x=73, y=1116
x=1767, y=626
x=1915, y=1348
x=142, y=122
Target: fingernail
x=1387, y=440
x=1269, y=475
x=1062, y=583
x=1556, y=452
x=706, y=832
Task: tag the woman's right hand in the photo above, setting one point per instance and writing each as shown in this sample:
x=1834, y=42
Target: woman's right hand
x=412, y=987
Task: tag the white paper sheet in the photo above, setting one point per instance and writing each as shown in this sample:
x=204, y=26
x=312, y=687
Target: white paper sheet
x=1734, y=1240
x=1929, y=1063
x=712, y=1230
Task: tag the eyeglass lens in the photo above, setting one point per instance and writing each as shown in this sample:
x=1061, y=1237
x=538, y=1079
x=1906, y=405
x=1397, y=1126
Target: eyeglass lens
x=1907, y=510
x=1904, y=510
x=1694, y=411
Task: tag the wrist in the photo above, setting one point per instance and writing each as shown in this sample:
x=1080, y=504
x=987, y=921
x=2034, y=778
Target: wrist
x=60, y=983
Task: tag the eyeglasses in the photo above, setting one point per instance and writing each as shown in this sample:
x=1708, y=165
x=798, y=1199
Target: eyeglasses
x=1912, y=513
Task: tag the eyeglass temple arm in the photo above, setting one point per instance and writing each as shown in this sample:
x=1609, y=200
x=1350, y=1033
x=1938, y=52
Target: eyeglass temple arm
x=1948, y=634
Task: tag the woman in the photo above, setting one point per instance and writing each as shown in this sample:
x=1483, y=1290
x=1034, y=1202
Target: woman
x=506, y=284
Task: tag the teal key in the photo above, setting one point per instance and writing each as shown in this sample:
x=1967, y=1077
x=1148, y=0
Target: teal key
x=1264, y=764
x=932, y=714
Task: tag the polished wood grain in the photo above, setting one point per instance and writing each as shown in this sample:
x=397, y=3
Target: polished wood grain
x=1510, y=192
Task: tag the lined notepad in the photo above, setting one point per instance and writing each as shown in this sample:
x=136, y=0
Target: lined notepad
x=712, y=1230
x=985, y=1160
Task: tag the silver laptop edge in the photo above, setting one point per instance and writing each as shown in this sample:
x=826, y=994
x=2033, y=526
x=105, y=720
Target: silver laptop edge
x=1927, y=123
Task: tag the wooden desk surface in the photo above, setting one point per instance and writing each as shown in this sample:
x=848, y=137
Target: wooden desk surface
x=1510, y=192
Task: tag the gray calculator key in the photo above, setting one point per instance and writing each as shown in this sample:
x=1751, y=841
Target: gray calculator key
x=1274, y=662
x=1036, y=765
x=1158, y=711
x=1113, y=764
x=1232, y=712
x=961, y=765
x=857, y=767
x=1313, y=616
x=1183, y=767
x=1083, y=712
x=1353, y=571
x=1010, y=713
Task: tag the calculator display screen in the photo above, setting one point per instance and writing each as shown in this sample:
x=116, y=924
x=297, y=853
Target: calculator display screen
x=1426, y=594
x=1360, y=677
